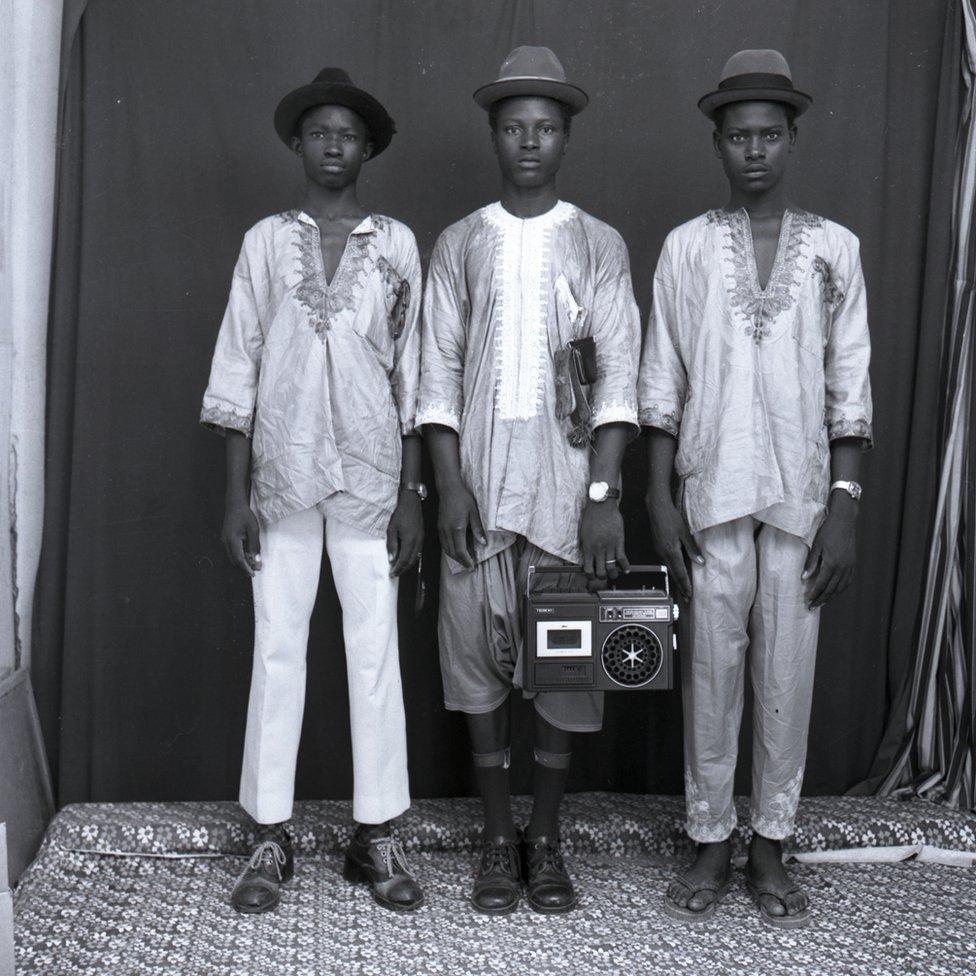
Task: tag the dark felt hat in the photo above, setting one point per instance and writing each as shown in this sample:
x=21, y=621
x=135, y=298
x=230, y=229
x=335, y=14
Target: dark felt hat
x=532, y=71
x=755, y=76
x=333, y=86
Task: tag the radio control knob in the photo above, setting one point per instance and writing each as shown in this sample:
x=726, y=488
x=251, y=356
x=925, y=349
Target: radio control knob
x=675, y=612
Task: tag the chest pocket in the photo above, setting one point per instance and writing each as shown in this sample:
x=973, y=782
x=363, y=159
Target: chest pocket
x=396, y=297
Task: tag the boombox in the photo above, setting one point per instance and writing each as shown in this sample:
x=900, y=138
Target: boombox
x=617, y=639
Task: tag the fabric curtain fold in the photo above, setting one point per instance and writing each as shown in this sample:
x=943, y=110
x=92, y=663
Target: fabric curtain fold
x=932, y=725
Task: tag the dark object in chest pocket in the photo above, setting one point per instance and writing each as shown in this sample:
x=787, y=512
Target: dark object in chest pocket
x=401, y=304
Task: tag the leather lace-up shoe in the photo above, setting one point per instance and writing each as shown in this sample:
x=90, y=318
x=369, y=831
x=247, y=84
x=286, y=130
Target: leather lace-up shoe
x=377, y=859
x=272, y=863
x=547, y=885
x=498, y=884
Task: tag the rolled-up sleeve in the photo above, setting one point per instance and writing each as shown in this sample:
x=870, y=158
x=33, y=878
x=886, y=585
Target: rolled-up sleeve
x=615, y=328
x=444, y=330
x=848, y=354
x=662, y=382
x=228, y=403
x=406, y=350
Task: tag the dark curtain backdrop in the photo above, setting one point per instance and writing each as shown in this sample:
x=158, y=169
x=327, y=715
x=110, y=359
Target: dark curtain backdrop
x=169, y=155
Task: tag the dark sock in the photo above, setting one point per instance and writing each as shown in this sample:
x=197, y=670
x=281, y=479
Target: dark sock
x=548, y=786
x=489, y=734
x=274, y=831
x=493, y=785
x=368, y=832
x=552, y=752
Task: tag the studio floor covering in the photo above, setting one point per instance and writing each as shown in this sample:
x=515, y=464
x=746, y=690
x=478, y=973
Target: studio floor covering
x=143, y=889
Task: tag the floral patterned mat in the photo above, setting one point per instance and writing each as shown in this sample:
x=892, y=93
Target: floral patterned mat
x=82, y=914
x=599, y=823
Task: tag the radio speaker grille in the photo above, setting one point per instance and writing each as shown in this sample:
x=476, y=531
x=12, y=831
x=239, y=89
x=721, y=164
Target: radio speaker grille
x=632, y=655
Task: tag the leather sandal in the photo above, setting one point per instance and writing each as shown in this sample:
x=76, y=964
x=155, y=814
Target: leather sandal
x=799, y=920
x=684, y=914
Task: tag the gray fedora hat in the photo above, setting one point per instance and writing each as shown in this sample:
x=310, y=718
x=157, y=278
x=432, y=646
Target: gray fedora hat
x=532, y=71
x=333, y=86
x=755, y=76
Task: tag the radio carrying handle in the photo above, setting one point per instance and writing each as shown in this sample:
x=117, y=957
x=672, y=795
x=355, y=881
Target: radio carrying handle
x=574, y=568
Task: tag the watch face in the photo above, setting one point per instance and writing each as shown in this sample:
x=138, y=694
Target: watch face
x=422, y=491
x=599, y=491
x=855, y=490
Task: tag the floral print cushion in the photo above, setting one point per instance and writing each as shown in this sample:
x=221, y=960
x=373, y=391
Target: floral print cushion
x=599, y=823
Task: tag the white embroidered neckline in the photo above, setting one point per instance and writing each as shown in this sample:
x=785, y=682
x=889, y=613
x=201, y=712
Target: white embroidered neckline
x=521, y=332
x=501, y=218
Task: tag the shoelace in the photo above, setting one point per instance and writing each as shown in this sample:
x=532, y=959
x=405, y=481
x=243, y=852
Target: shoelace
x=547, y=857
x=391, y=850
x=268, y=854
x=497, y=856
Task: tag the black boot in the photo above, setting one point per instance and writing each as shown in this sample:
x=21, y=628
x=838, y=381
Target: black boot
x=271, y=864
x=498, y=884
x=375, y=857
x=547, y=885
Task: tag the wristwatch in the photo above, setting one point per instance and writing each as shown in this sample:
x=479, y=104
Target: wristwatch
x=418, y=486
x=600, y=491
x=851, y=487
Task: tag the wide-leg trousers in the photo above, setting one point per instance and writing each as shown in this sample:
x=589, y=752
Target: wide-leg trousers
x=748, y=601
x=284, y=595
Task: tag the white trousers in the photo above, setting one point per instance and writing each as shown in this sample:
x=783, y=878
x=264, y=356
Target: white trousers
x=284, y=595
x=748, y=600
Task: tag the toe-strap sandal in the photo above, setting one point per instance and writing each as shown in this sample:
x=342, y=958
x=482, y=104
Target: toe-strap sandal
x=685, y=914
x=797, y=921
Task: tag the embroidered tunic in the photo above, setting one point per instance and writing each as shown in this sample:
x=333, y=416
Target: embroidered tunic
x=755, y=382
x=503, y=296
x=323, y=375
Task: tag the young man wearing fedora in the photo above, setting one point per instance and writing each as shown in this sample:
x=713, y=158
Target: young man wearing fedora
x=754, y=383
x=314, y=382
x=527, y=465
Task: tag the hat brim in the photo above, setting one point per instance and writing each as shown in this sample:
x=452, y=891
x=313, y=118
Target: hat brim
x=571, y=96
x=727, y=96
x=381, y=127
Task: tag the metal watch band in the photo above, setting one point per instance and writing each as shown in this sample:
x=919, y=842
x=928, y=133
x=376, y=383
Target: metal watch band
x=612, y=494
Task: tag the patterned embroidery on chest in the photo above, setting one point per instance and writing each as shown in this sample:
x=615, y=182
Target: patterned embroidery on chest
x=833, y=295
x=522, y=255
x=322, y=301
x=761, y=306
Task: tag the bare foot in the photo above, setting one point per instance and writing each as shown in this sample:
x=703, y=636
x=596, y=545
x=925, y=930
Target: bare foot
x=765, y=870
x=701, y=881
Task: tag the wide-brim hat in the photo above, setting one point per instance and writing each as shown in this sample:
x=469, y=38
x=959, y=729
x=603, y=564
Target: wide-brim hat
x=333, y=86
x=755, y=76
x=532, y=71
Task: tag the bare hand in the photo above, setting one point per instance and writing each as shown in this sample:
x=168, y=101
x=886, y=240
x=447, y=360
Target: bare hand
x=459, y=524
x=405, y=533
x=673, y=541
x=830, y=564
x=602, y=541
x=241, y=538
